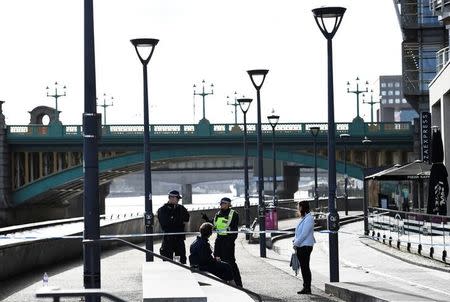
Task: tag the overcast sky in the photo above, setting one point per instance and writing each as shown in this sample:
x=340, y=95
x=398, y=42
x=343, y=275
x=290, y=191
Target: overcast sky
x=42, y=42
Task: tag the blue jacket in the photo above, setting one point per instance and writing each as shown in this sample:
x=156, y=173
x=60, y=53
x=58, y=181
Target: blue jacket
x=304, y=232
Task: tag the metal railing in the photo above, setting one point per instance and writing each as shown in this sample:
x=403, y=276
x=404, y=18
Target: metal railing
x=436, y=6
x=111, y=131
x=424, y=234
x=442, y=57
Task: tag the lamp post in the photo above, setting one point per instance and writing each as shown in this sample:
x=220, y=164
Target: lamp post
x=55, y=95
x=357, y=92
x=273, y=120
x=371, y=103
x=257, y=76
x=366, y=142
x=144, y=49
x=235, y=104
x=104, y=106
x=91, y=122
x=335, y=15
x=344, y=138
x=203, y=94
x=314, y=132
x=244, y=104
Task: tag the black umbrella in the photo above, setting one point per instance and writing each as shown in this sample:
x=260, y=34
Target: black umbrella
x=438, y=186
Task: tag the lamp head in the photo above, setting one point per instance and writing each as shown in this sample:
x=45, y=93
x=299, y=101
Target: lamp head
x=344, y=136
x=314, y=131
x=273, y=120
x=244, y=104
x=366, y=140
x=257, y=76
x=144, y=48
x=332, y=15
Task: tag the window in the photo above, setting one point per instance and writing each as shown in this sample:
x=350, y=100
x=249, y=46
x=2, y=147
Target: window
x=383, y=101
x=391, y=101
x=397, y=92
x=383, y=92
x=390, y=92
x=383, y=85
x=397, y=84
x=397, y=101
x=390, y=84
x=404, y=101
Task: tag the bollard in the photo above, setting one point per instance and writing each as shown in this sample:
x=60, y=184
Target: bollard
x=390, y=241
x=398, y=244
x=408, y=246
x=384, y=238
x=444, y=255
x=419, y=249
x=431, y=252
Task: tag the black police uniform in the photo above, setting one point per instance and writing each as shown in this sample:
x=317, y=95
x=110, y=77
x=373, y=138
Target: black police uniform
x=201, y=257
x=224, y=244
x=172, y=218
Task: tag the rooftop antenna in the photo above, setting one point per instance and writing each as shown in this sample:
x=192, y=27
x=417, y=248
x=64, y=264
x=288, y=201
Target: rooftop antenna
x=104, y=106
x=56, y=96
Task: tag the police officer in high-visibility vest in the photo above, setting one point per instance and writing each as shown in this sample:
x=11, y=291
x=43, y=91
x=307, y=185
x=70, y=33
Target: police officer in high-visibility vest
x=227, y=219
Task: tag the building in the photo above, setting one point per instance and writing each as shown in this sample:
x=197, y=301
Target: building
x=423, y=36
x=440, y=85
x=393, y=106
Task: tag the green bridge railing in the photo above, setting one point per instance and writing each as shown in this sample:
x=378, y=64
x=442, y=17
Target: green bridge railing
x=294, y=129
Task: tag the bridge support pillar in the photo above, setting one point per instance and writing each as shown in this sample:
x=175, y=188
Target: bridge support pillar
x=291, y=176
x=186, y=192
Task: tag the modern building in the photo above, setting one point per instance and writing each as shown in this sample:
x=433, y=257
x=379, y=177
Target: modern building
x=440, y=85
x=393, y=106
x=423, y=36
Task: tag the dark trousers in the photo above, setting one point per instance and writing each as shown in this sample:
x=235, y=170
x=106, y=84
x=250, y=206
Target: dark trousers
x=224, y=248
x=219, y=269
x=304, y=255
x=172, y=245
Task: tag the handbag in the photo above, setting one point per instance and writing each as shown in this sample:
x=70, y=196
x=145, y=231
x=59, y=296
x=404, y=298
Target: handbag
x=295, y=264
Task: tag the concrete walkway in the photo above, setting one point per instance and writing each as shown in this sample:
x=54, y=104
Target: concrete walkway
x=372, y=271
x=121, y=275
x=369, y=271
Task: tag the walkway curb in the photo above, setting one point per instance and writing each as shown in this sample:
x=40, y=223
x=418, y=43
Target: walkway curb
x=348, y=291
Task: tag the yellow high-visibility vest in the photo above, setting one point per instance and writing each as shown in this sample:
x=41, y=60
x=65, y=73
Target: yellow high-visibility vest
x=222, y=224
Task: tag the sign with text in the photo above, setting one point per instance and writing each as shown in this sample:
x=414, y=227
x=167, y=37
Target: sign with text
x=425, y=136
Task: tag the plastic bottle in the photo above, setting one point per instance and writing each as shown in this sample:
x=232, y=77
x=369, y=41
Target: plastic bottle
x=45, y=279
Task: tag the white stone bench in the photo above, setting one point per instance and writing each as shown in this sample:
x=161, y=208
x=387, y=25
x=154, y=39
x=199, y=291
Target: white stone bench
x=166, y=282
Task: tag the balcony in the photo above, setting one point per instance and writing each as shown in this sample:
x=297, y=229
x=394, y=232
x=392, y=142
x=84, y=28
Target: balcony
x=440, y=8
x=442, y=57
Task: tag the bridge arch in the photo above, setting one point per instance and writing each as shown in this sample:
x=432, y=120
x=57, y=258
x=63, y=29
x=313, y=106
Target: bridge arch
x=45, y=184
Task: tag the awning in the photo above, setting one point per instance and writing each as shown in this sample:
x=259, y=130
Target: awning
x=411, y=171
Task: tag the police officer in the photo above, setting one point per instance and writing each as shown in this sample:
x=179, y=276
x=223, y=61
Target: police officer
x=172, y=217
x=227, y=219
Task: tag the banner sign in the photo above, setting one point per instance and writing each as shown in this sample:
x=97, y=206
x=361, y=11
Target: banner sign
x=425, y=136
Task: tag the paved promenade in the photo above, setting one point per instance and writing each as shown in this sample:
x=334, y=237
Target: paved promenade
x=369, y=271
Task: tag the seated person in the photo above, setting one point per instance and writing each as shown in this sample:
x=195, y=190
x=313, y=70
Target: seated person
x=201, y=255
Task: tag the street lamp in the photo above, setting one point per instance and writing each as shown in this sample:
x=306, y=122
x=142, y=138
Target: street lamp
x=144, y=49
x=56, y=96
x=203, y=94
x=334, y=15
x=367, y=143
x=104, y=106
x=344, y=138
x=314, y=132
x=91, y=122
x=357, y=92
x=234, y=104
x=371, y=103
x=257, y=76
x=273, y=120
x=244, y=104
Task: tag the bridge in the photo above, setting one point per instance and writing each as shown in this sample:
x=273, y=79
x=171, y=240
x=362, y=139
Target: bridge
x=42, y=164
